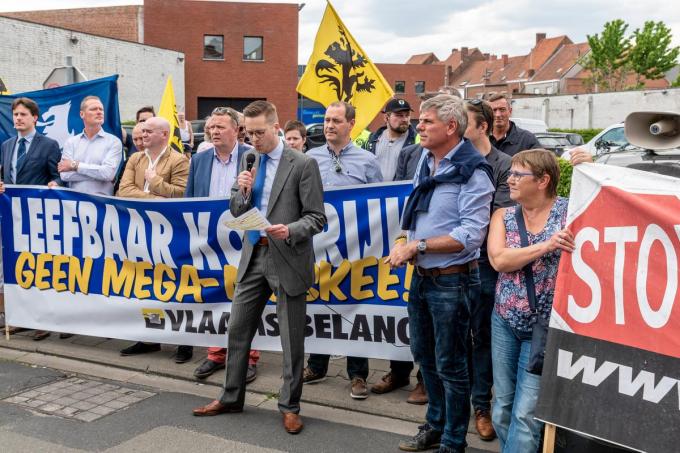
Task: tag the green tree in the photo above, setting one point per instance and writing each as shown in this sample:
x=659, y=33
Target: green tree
x=676, y=84
x=652, y=55
x=607, y=59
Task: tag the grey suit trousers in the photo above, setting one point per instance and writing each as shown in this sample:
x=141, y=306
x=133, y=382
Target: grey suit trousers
x=251, y=295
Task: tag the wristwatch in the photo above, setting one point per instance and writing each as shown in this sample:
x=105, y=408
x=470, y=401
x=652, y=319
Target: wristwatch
x=422, y=246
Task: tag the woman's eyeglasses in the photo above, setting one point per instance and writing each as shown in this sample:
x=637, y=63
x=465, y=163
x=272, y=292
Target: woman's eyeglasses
x=518, y=174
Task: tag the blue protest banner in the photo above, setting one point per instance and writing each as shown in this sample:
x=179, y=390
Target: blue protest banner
x=60, y=109
x=165, y=270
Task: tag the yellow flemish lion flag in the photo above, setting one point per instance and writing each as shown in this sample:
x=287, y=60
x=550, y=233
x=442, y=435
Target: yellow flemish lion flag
x=339, y=70
x=168, y=110
x=3, y=88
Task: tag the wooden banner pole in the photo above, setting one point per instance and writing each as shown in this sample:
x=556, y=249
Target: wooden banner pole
x=549, y=439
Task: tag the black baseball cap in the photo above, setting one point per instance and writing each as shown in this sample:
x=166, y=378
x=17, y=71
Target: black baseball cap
x=397, y=105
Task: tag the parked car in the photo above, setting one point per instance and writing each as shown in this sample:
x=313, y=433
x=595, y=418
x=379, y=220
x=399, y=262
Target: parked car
x=558, y=142
x=315, y=136
x=640, y=148
x=198, y=126
x=608, y=139
x=661, y=161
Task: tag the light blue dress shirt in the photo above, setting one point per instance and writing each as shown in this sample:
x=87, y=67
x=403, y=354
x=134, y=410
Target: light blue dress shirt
x=357, y=166
x=272, y=166
x=29, y=139
x=98, y=161
x=461, y=211
x=223, y=174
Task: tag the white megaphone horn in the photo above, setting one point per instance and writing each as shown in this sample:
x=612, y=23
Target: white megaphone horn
x=653, y=130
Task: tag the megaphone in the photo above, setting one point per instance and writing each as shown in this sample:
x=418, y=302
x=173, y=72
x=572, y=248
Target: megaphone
x=653, y=130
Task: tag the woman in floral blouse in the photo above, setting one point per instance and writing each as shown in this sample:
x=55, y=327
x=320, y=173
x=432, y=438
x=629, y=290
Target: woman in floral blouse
x=533, y=180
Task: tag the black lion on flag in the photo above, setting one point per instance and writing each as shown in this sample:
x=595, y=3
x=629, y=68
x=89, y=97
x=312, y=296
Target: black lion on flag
x=342, y=55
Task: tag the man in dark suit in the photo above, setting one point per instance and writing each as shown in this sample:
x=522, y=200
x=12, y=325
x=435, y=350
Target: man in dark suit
x=213, y=173
x=286, y=187
x=30, y=157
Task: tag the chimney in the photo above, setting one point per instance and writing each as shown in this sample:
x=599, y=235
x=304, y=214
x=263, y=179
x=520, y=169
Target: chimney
x=504, y=57
x=464, y=52
x=540, y=37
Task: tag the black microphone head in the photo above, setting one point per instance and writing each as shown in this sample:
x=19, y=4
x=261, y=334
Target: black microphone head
x=250, y=161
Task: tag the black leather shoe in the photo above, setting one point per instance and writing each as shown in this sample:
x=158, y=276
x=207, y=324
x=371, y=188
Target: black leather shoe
x=184, y=354
x=207, y=368
x=141, y=348
x=64, y=336
x=251, y=374
x=426, y=439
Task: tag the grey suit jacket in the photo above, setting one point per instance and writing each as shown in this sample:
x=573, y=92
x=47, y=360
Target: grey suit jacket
x=296, y=200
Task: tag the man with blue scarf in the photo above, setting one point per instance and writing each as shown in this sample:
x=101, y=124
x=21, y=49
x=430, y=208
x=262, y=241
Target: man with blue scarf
x=446, y=218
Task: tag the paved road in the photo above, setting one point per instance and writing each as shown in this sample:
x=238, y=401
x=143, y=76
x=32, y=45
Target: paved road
x=93, y=414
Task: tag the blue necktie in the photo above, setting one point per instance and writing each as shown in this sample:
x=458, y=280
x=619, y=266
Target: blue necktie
x=21, y=153
x=258, y=188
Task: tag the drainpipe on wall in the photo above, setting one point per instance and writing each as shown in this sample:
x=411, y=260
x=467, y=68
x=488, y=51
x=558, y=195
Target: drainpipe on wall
x=546, y=111
x=590, y=112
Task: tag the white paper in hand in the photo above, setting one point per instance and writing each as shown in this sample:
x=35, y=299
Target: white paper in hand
x=251, y=220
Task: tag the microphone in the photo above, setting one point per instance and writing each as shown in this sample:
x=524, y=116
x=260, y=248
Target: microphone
x=250, y=161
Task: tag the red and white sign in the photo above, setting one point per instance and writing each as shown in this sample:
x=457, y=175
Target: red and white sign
x=621, y=283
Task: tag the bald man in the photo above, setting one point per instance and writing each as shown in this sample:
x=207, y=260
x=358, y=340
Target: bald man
x=137, y=136
x=155, y=172
x=158, y=171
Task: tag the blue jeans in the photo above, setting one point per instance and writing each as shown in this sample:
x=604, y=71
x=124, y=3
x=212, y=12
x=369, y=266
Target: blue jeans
x=516, y=389
x=481, y=374
x=439, y=320
x=356, y=366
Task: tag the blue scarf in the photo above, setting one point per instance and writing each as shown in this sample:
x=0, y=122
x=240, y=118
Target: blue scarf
x=465, y=161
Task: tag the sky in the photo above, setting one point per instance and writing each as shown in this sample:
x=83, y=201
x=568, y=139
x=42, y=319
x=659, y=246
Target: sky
x=392, y=31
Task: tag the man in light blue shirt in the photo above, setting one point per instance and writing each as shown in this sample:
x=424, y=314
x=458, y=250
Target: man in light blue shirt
x=446, y=217
x=90, y=160
x=342, y=163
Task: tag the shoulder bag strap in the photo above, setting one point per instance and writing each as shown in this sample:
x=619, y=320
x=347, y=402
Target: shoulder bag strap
x=528, y=272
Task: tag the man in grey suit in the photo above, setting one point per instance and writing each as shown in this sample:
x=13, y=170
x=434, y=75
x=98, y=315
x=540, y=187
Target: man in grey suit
x=286, y=186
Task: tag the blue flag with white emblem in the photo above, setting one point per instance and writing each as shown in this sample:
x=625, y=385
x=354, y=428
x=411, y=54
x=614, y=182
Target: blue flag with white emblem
x=60, y=109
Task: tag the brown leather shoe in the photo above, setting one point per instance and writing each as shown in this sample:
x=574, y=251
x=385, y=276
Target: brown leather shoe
x=39, y=335
x=388, y=383
x=292, y=423
x=215, y=408
x=418, y=395
x=483, y=425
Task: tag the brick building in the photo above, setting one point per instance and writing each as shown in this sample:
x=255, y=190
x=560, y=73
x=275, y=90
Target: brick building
x=234, y=52
x=408, y=81
x=118, y=22
x=551, y=67
x=31, y=51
